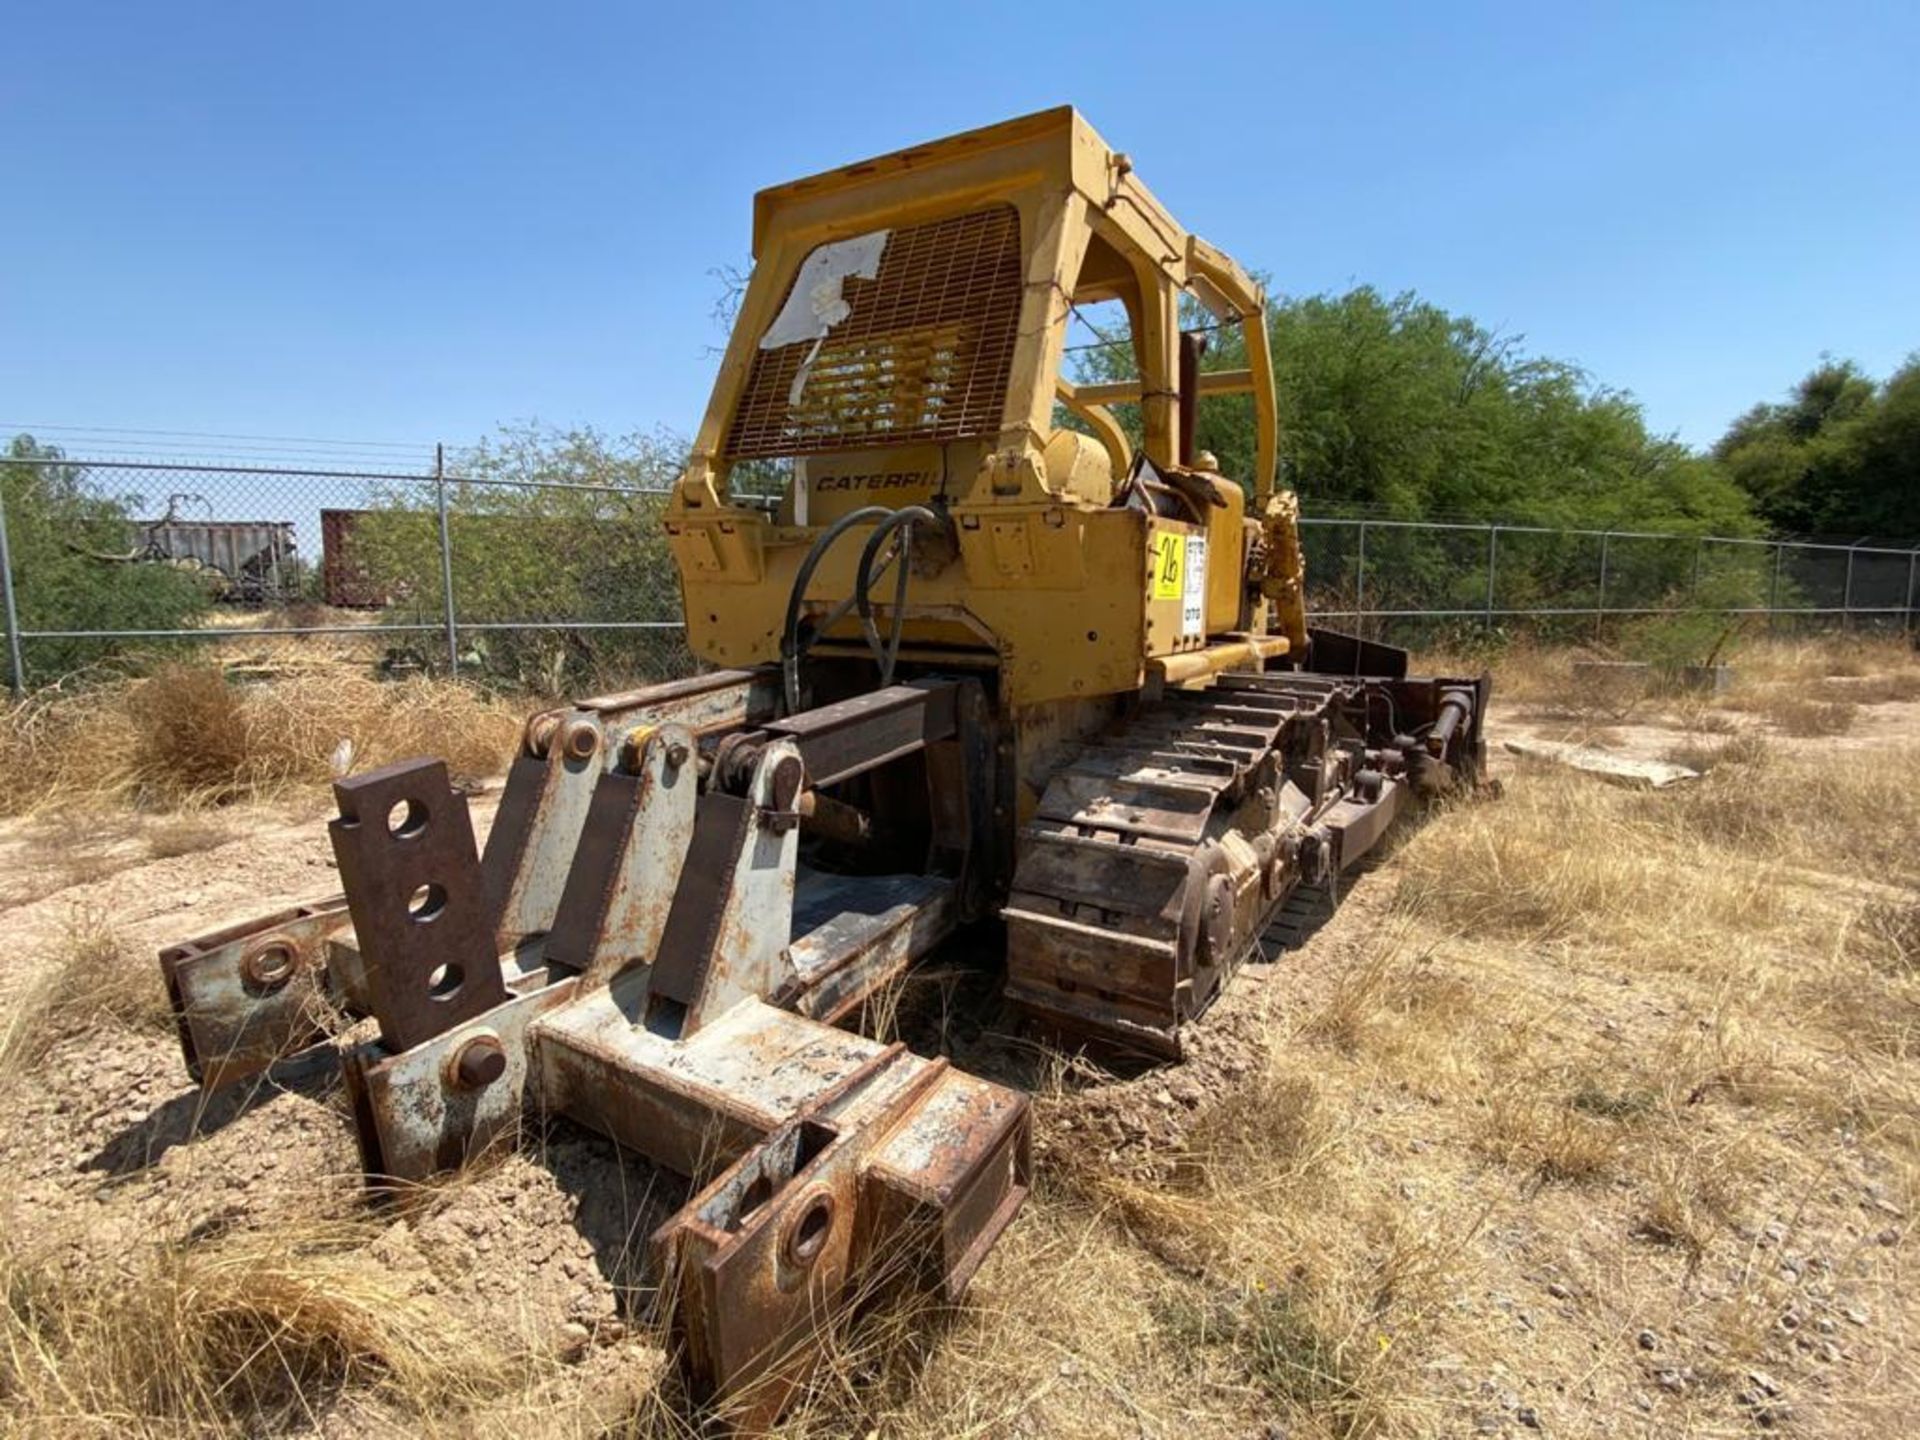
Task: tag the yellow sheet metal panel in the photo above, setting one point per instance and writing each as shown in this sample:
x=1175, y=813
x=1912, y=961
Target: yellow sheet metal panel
x=1226, y=557
x=1054, y=591
x=1081, y=642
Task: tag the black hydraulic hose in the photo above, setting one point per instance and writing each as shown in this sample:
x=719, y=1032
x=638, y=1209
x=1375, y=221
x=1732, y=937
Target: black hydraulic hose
x=790, y=649
x=902, y=520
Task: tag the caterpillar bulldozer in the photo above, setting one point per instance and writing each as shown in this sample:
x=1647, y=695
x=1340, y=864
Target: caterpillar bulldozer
x=977, y=655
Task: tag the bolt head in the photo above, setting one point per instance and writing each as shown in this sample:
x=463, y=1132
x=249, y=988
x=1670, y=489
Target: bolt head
x=582, y=739
x=788, y=776
x=479, y=1062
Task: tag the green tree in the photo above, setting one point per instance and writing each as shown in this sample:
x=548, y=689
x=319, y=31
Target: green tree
x=59, y=524
x=1396, y=409
x=1840, y=456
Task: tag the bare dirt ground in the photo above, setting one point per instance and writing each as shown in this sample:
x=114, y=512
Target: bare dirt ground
x=1589, y=1112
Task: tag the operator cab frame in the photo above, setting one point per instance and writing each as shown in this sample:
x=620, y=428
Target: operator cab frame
x=900, y=344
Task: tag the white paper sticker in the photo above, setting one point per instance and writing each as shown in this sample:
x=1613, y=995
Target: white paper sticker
x=815, y=305
x=1193, y=595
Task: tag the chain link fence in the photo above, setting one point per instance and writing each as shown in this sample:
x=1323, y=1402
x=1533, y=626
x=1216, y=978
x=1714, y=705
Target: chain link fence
x=535, y=584
x=1418, y=580
x=554, y=586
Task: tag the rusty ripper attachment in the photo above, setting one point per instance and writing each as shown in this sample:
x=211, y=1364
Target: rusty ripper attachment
x=641, y=950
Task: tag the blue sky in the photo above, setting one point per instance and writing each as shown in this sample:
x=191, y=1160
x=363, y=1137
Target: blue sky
x=409, y=222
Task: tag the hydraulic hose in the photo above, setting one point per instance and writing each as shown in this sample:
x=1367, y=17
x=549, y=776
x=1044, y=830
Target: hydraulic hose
x=902, y=520
x=790, y=647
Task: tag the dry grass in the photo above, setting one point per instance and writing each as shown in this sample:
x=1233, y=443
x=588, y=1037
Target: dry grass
x=1885, y=660
x=1803, y=717
x=1573, y=1064
x=95, y=981
x=1816, y=688
x=1622, y=1039
x=235, y=1335
x=189, y=737
x=1804, y=688
x=1705, y=746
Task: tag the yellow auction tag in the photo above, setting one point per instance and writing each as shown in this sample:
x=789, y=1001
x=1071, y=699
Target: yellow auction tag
x=1168, y=552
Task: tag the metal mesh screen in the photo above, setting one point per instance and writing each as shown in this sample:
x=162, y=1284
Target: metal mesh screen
x=922, y=355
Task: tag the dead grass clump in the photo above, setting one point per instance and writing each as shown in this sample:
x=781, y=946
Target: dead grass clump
x=1690, y=1196
x=1394, y=996
x=1804, y=717
x=1563, y=858
x=1530, y=674
x=1553, y=1141
x=1696, y=717
x=1050, y=1341
x=1278, y=1122
x=1281, y=1347
x=1814, y=658
x=186, y=834
x=1869, y=1011
x=231, y=1336
x=194, y=730
x=1301, y=1275
x=1743, y=747
x=1888, y=936
x=1695, y=755
x=94, y=980
x=1879, y=689
x=188, y=736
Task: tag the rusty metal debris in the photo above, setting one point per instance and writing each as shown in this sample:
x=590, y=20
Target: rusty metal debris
x=1088, y=702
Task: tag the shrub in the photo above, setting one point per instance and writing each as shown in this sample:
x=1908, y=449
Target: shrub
x=61, y=530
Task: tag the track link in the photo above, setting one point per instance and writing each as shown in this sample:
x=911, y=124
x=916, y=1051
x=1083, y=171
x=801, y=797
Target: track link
x=1109, y=932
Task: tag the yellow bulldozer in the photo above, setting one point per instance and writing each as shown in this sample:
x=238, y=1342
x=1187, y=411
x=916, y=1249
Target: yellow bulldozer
x=979, y=656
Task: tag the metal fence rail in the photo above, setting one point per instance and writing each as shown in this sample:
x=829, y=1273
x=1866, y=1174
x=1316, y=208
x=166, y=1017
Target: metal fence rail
x=552, y=581
x=1434, y=570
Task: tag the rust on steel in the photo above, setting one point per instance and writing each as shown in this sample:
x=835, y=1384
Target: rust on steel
x=404, y=844
x=250, y=994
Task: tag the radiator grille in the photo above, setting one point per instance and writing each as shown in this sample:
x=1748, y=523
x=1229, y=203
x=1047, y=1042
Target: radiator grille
x=923, y=354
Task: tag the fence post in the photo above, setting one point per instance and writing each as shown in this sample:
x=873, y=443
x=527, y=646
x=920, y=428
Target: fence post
x=1699, y=547
x=1360, y=585
x=1493, y=560
x=446, y=557
x=1773, y=595
x=1600, y=609
x=1913, y=568
x=17, y=671
x=1846, y=593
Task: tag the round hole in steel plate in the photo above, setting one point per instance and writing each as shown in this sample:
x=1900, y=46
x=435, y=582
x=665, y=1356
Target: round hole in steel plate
x=427, y=902
x=406, y=819
x=444, y=981
x=809, y=1233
